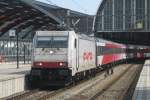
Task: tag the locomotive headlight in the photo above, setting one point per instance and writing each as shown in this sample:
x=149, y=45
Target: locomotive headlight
x=61, y=64
x=39, y=64
x=51, y=52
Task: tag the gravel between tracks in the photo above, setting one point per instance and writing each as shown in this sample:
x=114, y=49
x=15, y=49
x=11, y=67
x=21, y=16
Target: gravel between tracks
x=119, y=89
x=88, y=89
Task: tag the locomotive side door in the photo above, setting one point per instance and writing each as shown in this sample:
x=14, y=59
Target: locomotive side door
x=74, y=57
x=72, y=52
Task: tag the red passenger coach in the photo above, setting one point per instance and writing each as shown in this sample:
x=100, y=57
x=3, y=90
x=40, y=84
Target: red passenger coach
x=108, y=52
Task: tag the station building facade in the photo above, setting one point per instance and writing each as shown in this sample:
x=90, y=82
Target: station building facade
x=124, y=20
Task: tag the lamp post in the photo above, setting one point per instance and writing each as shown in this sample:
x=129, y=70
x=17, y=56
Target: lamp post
x=17, y=52
x=12, y=34
x=24, y=53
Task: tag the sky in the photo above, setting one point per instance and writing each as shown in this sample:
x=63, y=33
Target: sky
x=84, y=6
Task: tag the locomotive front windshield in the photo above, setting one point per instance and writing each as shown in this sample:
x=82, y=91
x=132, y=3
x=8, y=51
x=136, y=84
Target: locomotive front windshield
x=52, y=42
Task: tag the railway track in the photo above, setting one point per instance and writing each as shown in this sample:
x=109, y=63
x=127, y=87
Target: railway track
x=41, y=94
x=83, y=91
x=118, y=90
x=37, y=94
x=63, y=93
x=21, y=95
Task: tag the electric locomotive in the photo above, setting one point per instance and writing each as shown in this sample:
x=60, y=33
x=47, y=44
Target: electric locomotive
x=64, y=57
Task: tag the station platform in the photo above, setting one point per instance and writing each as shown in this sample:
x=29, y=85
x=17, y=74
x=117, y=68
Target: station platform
x=142, y=90
x=13, y=80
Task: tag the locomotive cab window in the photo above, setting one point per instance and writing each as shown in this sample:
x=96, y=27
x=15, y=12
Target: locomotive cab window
x=52, y=42
x=43, y=42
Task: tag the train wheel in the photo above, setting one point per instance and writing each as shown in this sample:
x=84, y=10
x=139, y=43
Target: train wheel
x=73, y=81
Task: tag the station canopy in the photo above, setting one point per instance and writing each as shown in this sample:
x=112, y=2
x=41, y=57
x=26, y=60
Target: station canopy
x=23, y=18
x=28, y=16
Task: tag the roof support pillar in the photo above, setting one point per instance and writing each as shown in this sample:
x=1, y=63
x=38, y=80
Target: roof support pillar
x=103, y=20
x=113, y=13
x=134, y=13
x=146, y=19
x=124, y=9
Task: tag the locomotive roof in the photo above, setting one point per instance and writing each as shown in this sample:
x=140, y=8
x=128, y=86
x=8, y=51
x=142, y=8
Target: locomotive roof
x=83, y=36
x=126, y=45
x=106, y=41
x=52, y=33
